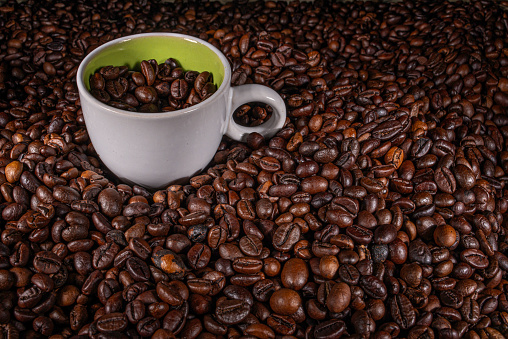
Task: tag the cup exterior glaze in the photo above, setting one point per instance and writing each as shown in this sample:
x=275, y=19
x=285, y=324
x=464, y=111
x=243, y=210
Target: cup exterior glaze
x=157, y=149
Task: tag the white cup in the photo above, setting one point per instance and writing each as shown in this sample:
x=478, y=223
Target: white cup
x=156, y=149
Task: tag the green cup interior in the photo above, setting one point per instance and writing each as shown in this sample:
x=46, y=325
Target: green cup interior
x=190, y=54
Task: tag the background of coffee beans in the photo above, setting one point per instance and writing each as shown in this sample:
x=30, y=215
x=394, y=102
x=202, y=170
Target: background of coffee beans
x=378, y=211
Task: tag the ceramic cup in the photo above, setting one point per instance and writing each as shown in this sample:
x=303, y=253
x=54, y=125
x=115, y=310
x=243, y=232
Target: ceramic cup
x=156, y=149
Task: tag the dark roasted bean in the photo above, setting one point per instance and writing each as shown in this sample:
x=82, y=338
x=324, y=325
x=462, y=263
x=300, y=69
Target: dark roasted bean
x=286, y=236
x=329, y=329
x=113, y=322
x=402, y=311
x=229, y=312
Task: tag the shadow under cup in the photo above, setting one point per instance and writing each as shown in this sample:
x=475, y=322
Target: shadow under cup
x=200, y=126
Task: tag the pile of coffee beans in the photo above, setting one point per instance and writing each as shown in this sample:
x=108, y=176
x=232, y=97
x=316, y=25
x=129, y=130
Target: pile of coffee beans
x=378, y=211
x=162, y=87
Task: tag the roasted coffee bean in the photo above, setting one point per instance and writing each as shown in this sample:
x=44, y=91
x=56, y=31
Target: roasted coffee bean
x=285, y=301
x=169, y=293
x=179, y=89
x=445, y=180
x=402, y=311
x=169, y=262
x=247, y=265
x=239, y=293
x=445, y=235
x=373, y=286
x=148, y=326
x=338, y=297
x=199, y=256
x=148, y=72
x=251, y=245
x=47, y=262
x=294, y=274
x=110, y=202
x=359, y=234
x=230, y=312
x=138, y=269
x=112, y=322
x=475, y=258
x=263, y=289
x=329, y=329
x=286, y=236
x=104, y=255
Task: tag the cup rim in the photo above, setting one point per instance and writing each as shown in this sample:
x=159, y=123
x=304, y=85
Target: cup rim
x=83, y=91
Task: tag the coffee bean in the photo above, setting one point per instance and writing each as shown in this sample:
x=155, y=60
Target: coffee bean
x=259, y=331
x=78, y=316
x=169, y=262
x=229, y=312
x=362, y=322
x=373, y=286
x=96, y=80
x=385, y=234
x=294, y=274
x=138, y=269
x=43, y=325
x=110, y=202
x=179, y=89
x=338, y=298
x=402, y=311
x=47, y=262
x=359, y=234
x=285, y=301
x=117, y=88
x=475, y=258
x=199, y=256
x=148, y=72
x=110, y=72
x=445, y=235
x=247, y=265
x=65, y=194
x=251, y=245
x=285, y=236
x=329, y=329
x=445, y=180
x=104, y=255
x=113, y=322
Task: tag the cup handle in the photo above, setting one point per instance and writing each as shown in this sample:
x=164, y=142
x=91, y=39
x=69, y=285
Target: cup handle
x=250, y=93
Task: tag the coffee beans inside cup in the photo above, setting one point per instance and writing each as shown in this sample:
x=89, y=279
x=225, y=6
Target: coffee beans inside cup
x=154, y=88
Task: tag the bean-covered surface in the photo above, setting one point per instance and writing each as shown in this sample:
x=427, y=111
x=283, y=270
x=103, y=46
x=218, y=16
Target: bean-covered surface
x=376, y=212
